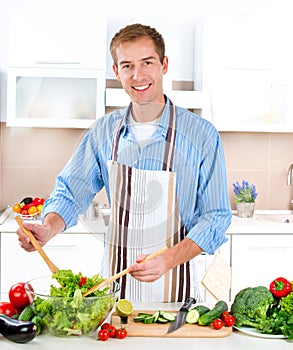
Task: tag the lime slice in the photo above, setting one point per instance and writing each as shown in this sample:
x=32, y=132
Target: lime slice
x=124, y=308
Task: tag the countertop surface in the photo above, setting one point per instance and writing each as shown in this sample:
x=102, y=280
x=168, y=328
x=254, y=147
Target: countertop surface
x=263, y=222
x=236, y=340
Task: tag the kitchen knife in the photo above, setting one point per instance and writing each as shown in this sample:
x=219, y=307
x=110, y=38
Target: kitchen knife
x=181, y=316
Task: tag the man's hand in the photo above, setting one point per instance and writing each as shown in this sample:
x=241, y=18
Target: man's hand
x=151, y=270
x=53, y=224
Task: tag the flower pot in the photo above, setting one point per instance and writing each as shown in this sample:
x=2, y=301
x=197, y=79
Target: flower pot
x=245, y=210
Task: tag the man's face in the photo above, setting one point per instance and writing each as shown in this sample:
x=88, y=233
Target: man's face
x=140, y=71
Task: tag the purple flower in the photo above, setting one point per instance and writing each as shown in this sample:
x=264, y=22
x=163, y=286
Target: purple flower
x=245, y=193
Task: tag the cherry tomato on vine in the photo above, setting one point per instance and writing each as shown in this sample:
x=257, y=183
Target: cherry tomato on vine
x=218, y=323
x=105, y=325
x=225, y=314
x=229, y=320
x=103, y=334
x=121, y=333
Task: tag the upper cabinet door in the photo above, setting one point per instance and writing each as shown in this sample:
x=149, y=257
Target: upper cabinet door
x=46, y=38
x=243, y=73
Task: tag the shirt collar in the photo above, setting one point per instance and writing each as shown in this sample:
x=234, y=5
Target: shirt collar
x=162, y=125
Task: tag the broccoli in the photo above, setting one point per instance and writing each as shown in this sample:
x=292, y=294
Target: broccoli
x=251, y=306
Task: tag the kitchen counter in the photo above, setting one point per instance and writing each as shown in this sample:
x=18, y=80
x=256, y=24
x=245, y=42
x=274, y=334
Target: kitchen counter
x=236, y=340
x=260, y=224
x=255, y=225
x=84, y=225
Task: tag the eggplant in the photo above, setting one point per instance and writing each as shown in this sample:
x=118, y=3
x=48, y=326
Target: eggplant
x=26, y=200
x=16, y=330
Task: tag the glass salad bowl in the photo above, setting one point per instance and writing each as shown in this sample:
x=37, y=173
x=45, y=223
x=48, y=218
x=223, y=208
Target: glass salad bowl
x=70, y=315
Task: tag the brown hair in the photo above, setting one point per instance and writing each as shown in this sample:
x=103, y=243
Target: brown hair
x=134, y=32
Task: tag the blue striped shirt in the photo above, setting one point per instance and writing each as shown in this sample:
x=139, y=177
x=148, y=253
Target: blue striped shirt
x=198, y=162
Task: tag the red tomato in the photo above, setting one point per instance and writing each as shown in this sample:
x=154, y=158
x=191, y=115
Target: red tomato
x=105, y=325
x=218, y=323
x=24, y=212
x=229, y=320
x=112, y=331
x=121, y=333
x=225, y=314
x=7, y=309
x=18, y=296
x=103, y=335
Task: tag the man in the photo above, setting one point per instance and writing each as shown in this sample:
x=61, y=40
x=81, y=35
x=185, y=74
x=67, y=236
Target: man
x=163, y=169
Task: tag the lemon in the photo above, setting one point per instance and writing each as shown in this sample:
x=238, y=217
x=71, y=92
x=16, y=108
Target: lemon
x=124, y=308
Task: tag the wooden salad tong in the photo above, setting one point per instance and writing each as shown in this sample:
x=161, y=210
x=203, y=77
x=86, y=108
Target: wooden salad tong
x=121, y=273
x=36, y=245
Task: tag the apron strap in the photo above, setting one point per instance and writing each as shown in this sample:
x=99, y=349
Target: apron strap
x=169, y=149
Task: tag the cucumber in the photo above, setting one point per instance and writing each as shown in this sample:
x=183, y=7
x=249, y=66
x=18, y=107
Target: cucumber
x=156, y=316
x=202, y=309
x=216, y=312
x=149, y=319
x=27, y=313
x=168, y=316
x=192, y=316
x=139, y=318
x=161, y=319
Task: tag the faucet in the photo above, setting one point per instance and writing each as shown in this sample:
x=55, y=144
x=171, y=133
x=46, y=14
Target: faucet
x=290, y=170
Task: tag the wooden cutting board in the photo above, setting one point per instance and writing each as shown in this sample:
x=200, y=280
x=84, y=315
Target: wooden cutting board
x=139, y=329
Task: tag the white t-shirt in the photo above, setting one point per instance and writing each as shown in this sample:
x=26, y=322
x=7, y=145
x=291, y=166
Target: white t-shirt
x=143, y=131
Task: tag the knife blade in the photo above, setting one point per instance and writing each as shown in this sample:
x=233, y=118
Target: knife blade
x=181, y=316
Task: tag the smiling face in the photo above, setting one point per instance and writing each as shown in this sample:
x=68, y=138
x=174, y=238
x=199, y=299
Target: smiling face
x=140, y=71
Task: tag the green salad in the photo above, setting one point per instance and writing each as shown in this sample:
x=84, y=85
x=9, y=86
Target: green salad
x=66, y=312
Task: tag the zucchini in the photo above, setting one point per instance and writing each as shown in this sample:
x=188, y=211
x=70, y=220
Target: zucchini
x=27, y=313
x=216, y=312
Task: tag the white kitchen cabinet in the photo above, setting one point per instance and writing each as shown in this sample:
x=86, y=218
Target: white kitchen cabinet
x=56, y=67
x=55, y=97
x=77, y=252
x=248, y=84
x=53, y=36
x=259, y=259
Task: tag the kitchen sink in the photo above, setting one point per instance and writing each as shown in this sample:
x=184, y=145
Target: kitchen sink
x=275, y=218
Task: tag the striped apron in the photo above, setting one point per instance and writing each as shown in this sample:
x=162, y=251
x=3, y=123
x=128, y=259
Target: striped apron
x=145, y=217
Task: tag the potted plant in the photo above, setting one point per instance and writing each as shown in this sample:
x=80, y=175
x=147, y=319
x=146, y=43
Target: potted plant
x=245, y=195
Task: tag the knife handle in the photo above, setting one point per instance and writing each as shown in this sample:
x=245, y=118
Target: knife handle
x=188, y=302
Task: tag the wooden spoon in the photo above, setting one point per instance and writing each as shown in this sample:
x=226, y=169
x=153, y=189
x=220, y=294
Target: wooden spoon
x=121, y=273
x=36, y=245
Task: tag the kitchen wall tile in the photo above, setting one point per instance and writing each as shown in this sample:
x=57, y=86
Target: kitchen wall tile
x=36, y=147
x=281, y=151
x=246, y=150
x=280, y=194
x=31, y=158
